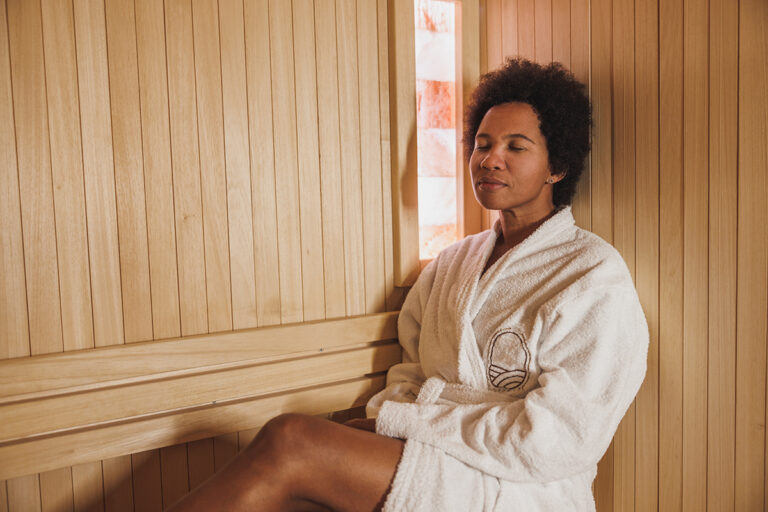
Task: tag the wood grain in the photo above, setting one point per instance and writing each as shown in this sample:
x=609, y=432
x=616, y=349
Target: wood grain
x=88, y=487
x=158, y=179
x=752, y=260
x=14, y=323
x=238, y=163
x=370, y=158
x=185, y=153
x=722, y=271
x=213, y=179
x=34, y=176
x=310, y=197
x=330, y=156
x=259, y=78
x=695, y=253
x=670, y=254
x=99, y=172
x=67, y=169
x=646, y=21
x=286, y=161
x=56, y=493
x=129, y=169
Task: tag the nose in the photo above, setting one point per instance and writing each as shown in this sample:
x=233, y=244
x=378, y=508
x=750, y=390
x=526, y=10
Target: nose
x=492, y=160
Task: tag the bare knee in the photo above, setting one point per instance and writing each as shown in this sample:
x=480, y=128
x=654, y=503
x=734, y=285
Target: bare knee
x=280, y=448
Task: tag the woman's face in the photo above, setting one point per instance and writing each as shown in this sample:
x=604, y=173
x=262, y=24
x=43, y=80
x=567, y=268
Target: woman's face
x=510, y=164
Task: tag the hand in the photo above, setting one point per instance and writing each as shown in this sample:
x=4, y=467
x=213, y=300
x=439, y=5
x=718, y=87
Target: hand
x=368, y=424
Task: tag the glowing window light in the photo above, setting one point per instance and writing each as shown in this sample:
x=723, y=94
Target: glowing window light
x=436, y=124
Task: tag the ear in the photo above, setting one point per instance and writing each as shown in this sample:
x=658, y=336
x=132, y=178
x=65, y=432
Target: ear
x=555, y=177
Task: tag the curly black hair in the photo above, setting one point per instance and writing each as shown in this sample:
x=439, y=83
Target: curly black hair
x=560, y=102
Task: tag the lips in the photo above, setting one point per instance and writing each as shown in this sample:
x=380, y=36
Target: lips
x=490, y=184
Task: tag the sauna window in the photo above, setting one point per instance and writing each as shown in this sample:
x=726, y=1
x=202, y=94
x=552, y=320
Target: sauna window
x=437, y=123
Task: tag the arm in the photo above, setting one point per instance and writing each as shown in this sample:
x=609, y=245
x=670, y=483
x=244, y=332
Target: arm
x=593, y=362
x=405, y=379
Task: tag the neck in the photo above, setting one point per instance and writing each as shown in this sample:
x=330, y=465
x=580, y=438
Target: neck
x=517, y=227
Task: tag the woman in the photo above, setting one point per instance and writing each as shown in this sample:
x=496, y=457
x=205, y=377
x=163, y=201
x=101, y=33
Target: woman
x=523, y=346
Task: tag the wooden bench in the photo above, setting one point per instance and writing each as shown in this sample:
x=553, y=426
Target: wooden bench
x=63, y=409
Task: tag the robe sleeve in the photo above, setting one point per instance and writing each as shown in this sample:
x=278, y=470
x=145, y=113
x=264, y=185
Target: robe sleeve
x=593, y=361
x=405, y=379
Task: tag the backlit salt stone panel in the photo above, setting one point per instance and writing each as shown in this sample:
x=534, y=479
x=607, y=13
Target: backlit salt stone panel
x=436, y=124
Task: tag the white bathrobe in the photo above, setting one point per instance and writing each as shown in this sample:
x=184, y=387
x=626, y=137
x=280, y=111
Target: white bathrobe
x=513, y=382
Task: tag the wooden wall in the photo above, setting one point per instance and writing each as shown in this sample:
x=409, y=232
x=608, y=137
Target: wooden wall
x=678, y=184
x=185, y=167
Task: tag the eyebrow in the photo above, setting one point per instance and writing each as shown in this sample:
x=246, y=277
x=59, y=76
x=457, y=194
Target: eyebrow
x=506, y=137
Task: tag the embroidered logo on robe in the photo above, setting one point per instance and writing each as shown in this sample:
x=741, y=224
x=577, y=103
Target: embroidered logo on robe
x=508, y=360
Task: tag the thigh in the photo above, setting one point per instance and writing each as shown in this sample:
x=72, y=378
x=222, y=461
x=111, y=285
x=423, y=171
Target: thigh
x=342, y=467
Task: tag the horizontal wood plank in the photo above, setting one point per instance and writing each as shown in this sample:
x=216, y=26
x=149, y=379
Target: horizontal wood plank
x=48, y=375
x=48, y=453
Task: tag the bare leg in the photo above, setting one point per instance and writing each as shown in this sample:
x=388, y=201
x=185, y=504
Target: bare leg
x=300, y=462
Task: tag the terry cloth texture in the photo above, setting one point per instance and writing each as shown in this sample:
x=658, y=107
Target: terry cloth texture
x=517, y=376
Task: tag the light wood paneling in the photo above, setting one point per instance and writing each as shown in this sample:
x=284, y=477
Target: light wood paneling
x=88, y=487
x=56, y=490
x=286, y=160
x=14, y=325
x=99, y=172
x=118, y=487
x=238, y=163
x=259, y=78
x=187, y=198
x=310, y=199
x=67, y=168
x=158, y=180
x=752, y=259
x=34, y=175
x=330, y=156
x=213, y=184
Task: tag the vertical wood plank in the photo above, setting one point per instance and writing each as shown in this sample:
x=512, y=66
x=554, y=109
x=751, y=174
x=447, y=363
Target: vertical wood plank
x=469, y=15
x=175, y=479
x=146, y=475
x=370, y=155
x=394, y=295
x=34, y=175
x=99, y=171
x=185, y=153
x=224, y=449
x=561, y=32
x=526, y=29
x=158, y=181
x=402, y=77
x=67, y=169
x=695, y=260
x=308, y=159
x=647, y=258
x=129, y=169
x=580, y=64
x=647, y=246
x=200, y=461
x=349, y=118
x=670, y=255
x=24, y=494
x=507, y=30
x=3, y=496
x=56, y=491
x=543, y=31
x=602, y=183
x=623, y=133
x=259, y=77
x=752, y=259
x=118, y=484
x=287, y=189
x=14, y=324
x=88, y=487
x=495, y=19
x=213, y=184
x=723, y=204
x=238, y=163
x=330, y=156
